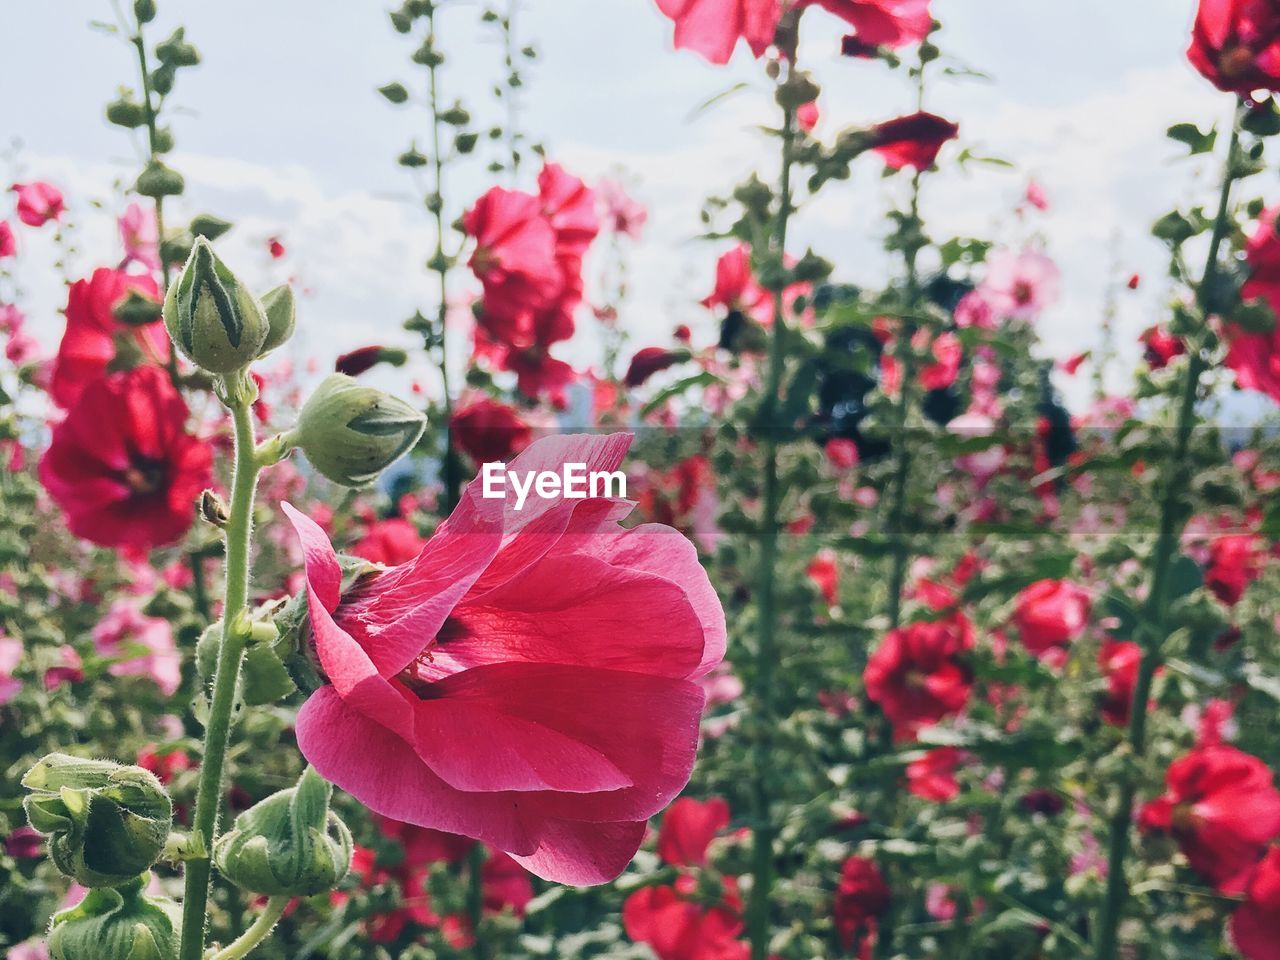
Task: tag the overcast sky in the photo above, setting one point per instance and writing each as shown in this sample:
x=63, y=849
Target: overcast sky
x=280, y=129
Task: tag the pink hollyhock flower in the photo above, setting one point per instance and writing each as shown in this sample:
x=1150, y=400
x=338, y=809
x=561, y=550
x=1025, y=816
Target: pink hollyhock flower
x=515, y=255
x=678, y=924
x=882, y=23
x=1036, y=196
x=487, y=430
x=275, y=247
x=145, y=642
x=1255, y=356
x=933, y=776
x=1222, y=807
x=688, y=827
x=807, y=116
x=37, y=950
x=974, y=310
x=939, y=903
x=712, y=28
x=140, y=237
x=68, y=669
x=736, y=288
x=918, y=674
x=8, y=242
x=825, y=575
x=1020, y=285
x=912, y=141
x=1161, y=346
x=1050, y=614
x=861, y=897
x=1235, y=561
x=529, y=680
x=10, y=657
x=1235, y=44
x=89, y=343
x=38, y=202
x=1119, y=661
x=947, y=353
x=622, y=214
x=1255, y=926
x=389, y=542
x=842, y=453
x=122, y=466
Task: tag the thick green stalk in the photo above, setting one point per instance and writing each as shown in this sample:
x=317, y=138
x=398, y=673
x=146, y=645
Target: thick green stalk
x=234, y=635
x=258, y=931
x=762, y=865
x=1156, y=607
x=475, y=898
x=440, y=264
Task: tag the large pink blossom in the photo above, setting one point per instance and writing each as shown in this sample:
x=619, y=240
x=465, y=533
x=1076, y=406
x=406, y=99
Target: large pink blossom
x=1020, y=284
x=142, y=646
x=713, y=28
x=882, y=23
x=38, y=202
x=530, y=679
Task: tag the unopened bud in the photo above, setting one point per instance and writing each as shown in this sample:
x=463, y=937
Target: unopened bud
x=117, y=924
x=278, y=305
x=211, y=316
x=106, y=823
x=350, y=432
x=213, y=509
x=156, y=180
x=290, y=844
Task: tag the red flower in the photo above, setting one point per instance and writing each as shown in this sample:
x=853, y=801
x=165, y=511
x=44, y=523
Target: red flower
x=1255, y=926
x=1161, y=347
x=676, y=926
x=882, y=23
x=1255, y=356
x=1049, y=615
x=38, y=202
x=389, y=542
x=912, y=141
x=688, y=828
x=121, y=465
x=1119, y=660
x=529, y=679
x=363, y=359
x=164, y=765
x=1235, y=44
x=947, y=354
x=712, y=28
x=8, y=243
x=515, y=255
x=275, y=247
x=861, y=896
x=1235, y=561
x=933, y=776
x=917, y=674
x=1221, y=806
x=89, y=342
x=825, y=575
x=842, y=453
x=487, y=430
x=651, y=360
x=737, y=289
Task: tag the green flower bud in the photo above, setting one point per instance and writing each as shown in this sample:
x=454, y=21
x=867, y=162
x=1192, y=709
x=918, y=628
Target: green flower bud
x=350, y=432
x=211, y=316
x=157, y=180
x=208, y=226
x=277, y=304
x=290, y=844
x=126, y=113
x=144, y=10
x=106, y=823
x=394, y=92
x=117, y=924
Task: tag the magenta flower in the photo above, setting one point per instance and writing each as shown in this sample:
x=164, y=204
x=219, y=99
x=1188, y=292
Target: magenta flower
x=530, y=679
x=621, y=213
x=38, y=202
x=10, y=657
x=140, y=237
x=1020, y=285
x=8, y=244
x=143, y=645
x=713, y=28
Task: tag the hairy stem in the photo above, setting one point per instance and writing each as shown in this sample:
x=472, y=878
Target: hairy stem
x=1156, y=608
x=234, y=636
x=762, y=865
x=258, y=931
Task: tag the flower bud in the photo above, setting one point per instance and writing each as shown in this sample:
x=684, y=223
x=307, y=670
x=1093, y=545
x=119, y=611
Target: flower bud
x=277, y=304
x=106, y=823
x=351, y=432
x=211, y=316
x=290, y=844
x=117, y=924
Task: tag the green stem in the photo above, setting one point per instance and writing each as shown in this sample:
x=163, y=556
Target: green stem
x=257, y=932
x=1156, y=608
x=762, y=865
x=234, y=635
x=440, y=264
x=475, y=898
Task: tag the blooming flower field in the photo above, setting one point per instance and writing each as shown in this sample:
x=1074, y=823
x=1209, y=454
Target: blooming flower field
x=824, y=628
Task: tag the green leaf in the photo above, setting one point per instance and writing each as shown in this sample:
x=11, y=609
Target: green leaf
x=1184, y=577
x=679, y=388
x=1189, y=134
